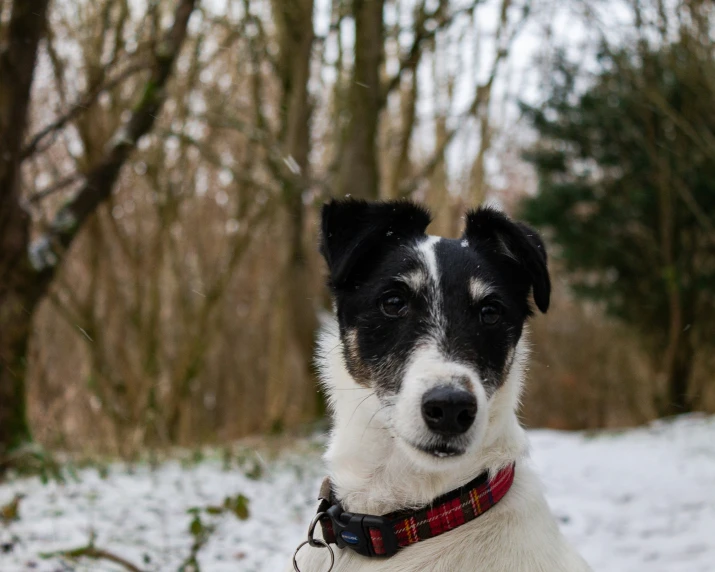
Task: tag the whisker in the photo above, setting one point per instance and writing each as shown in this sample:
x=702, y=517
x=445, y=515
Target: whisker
x=359, y=404
x=349, y=389
x=373, y=417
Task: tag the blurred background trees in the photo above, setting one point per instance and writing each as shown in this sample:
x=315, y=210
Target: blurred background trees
x=159, y=187
x=627, y=190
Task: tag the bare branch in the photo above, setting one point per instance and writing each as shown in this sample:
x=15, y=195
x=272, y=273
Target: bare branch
x=409, y=115
x=51, y=190
x=194, y=355
x=17, y=64
x=76, y=109
x=439, y=20
x=99, y=182
x=482, y=94
x=214, y=159
x=478, y=174
x=90, y=551
x=280, y=165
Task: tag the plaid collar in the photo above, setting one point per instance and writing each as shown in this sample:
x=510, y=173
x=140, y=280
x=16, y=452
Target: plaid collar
x=384, y=535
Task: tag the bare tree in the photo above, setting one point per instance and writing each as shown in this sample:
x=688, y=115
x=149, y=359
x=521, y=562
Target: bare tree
x=185, y=310
x=28, y=268
x=18, y=54
x=296, y=307
x=358, y=157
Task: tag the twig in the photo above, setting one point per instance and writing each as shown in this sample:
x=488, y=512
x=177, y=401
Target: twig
x=102, y=176
x=422, y=35
x=90, y=551
x=214, y=159
x=86, y=101
x=481, y=98
x=58, y=186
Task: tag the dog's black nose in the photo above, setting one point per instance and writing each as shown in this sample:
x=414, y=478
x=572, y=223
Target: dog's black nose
x=449, y=410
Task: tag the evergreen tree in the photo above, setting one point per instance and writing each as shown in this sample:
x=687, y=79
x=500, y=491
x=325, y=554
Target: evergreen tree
x=627, y=195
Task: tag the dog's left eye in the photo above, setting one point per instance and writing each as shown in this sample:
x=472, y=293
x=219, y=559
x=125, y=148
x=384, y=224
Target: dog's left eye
x=393, y=305
x=490, y=314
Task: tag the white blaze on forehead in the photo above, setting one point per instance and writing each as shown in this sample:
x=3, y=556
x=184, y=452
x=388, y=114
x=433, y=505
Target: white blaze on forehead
x=479, y=289
x=426, y=249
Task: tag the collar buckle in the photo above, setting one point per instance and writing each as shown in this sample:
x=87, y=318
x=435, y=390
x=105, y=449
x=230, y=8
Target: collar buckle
x=365, y=534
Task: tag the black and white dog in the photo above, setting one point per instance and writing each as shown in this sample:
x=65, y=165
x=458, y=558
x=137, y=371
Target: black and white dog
x=423, y=365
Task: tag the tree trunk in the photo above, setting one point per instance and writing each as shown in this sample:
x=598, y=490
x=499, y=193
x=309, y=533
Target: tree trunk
x=14, y=429
x=18, y=296
x=678, y=368
x=408, y=112
x=438, y=194
x=18, y=53
x=678, y=355
x=294, y=319
x=358, y=174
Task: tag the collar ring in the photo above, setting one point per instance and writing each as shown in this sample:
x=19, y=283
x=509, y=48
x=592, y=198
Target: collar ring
x=319, y=544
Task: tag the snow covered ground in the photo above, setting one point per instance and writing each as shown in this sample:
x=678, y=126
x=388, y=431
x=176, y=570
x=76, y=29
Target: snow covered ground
x=636, y=500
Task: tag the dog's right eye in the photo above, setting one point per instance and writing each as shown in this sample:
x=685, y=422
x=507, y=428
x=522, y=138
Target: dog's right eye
x=490, y=314
x=393, y=305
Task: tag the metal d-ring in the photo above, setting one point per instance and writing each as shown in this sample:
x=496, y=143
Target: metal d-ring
x=316, y=543
x=311, y=530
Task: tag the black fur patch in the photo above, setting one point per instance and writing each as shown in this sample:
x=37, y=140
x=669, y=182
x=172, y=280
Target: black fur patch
x=523, y=252
x=357, y=233
x=366, y=245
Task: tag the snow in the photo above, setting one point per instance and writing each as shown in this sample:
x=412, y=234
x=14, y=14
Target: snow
x=642, y=499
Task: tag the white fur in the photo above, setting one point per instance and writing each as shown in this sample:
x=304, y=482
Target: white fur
x=426, y=251
x=416, y=279
x=426, y=248
x=374, y=473
x=479, y=289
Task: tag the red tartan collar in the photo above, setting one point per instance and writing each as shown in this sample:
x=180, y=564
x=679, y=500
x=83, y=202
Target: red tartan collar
x=384, y=535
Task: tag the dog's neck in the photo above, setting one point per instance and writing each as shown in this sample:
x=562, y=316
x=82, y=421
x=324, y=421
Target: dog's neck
x=370, y=471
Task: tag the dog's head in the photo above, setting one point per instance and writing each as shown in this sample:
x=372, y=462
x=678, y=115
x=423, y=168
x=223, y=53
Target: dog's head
x=431, y=325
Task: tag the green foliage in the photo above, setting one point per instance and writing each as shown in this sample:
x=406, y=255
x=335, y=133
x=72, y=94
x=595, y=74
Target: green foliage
x=200, y=532
x=11, y=511
x=238, y=505
x=197, y=527
x=627, y=185
x=194, y=458
x=277, y=427
x=32, y=459
x=250, y=463
x=201, y=529
x=255, y=471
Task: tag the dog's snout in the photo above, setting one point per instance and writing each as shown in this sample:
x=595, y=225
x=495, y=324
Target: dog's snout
x=449, y=410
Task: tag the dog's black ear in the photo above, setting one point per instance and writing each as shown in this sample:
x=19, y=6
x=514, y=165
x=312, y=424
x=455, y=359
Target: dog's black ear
x=354, y=229
x=495, y=233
